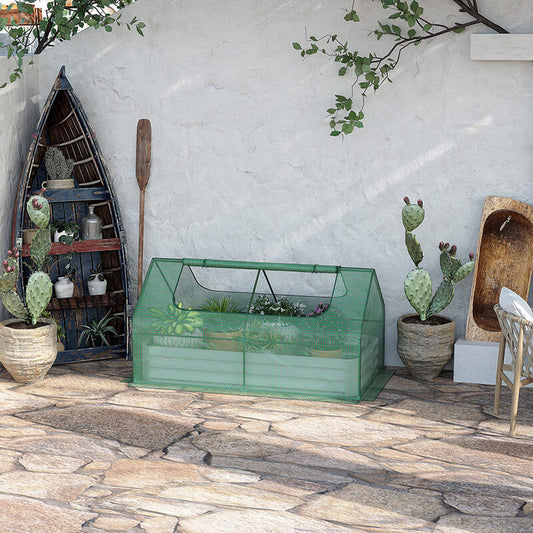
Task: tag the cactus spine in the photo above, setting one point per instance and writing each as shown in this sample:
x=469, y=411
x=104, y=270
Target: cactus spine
x=417, y=284
x=57, y=167
x=39, y=288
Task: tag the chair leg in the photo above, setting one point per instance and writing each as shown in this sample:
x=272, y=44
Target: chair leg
x=498, y=390
x=516, y=384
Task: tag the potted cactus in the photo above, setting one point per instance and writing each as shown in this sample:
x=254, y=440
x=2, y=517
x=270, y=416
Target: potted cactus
x=426, y=339
x=28, y=343
x=59, y=170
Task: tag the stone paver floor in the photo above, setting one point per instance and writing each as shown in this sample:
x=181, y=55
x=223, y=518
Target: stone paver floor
x=84, y=452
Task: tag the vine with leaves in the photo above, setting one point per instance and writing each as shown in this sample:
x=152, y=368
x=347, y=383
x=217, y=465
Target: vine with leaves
x=61, y=20
x=406, y=26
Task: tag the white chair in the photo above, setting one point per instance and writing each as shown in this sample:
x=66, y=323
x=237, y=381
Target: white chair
x=517, y=333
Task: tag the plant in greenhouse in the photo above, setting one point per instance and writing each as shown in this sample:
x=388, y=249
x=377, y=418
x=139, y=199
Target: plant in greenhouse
x=263, y=305
x=62, y=19
x=261, y=338
x=329, y=330
x=175, y=325
x=406, y=25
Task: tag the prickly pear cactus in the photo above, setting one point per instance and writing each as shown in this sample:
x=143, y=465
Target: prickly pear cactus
x=39, y=211
x=38, y=294
x=40, y=247
x=412, y=214
x=417, y=285
x=39, y=288
x=417, y=288
x=15, y=305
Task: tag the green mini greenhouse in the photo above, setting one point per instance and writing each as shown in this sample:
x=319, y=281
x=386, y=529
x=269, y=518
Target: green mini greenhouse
x=272, y=329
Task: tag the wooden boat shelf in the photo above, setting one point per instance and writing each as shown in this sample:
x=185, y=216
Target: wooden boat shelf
x=63, y=124
x=96, y=245
x=87, y=302
x=79, y=194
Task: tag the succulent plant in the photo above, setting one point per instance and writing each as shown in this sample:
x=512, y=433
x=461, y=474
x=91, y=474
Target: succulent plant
x=57, y=167
x=39, y=288
x=175, y=320
x=417, y=284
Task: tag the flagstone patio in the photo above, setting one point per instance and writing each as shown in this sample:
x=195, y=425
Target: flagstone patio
x=84, y=452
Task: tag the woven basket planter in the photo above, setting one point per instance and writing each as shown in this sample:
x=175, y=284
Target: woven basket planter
x=425, y=349
x=28, y=354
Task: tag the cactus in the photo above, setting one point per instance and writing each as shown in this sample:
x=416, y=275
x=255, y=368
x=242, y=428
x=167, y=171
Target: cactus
x=57, y=167
x=417, y=284
x=39, y=288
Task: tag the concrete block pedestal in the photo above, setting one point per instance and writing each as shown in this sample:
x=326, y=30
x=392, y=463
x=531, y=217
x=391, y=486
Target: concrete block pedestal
x=476, y=361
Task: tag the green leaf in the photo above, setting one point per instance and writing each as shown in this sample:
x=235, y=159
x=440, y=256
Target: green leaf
x=296, y=46
x=396, y=29
x=459, y=30
x=342, y=71
x=335, y=133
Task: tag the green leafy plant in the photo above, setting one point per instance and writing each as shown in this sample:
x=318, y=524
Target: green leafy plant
x=97, y=273
x=328, y=328
x=214, y=320
x=225, y=304
x=96, y=331
x=57, y=167
x=406, y=25
x=61, y=20
x=259, y=337
x=39, y=288
x=175, y=320
x=71, y=229
x=263, y=305
x=417, y=284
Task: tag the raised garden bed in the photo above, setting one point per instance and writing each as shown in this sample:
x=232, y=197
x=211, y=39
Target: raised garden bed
x=328, y=346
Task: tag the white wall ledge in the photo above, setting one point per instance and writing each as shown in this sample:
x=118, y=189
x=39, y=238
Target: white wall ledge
x=501, y=47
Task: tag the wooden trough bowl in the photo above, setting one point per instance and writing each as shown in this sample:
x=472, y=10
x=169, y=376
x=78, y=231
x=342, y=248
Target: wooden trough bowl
x=504, y=259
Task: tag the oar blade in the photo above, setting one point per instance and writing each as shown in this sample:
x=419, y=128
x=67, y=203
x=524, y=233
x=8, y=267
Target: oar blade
x=144, y=152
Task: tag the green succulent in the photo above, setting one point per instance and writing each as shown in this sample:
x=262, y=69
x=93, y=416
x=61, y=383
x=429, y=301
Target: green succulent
x=175, y=320
x=96, y=331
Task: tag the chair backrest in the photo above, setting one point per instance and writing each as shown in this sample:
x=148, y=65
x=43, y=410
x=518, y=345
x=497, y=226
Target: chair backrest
x=511, y=326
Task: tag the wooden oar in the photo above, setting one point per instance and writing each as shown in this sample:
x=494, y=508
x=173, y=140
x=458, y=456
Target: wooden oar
x=142, y=169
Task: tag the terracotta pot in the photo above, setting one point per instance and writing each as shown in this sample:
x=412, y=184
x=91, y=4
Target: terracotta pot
x=224, y=341
x=28, y=354
x=423, y=348
x=59, y=184
x=334, y=354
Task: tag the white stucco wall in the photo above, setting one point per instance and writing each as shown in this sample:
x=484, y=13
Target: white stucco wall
x=19, y=108
x=243, y=164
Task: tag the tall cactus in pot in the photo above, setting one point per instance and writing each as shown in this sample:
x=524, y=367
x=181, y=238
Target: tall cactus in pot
x=39, y=288
x=425, y=346
x=417, y=284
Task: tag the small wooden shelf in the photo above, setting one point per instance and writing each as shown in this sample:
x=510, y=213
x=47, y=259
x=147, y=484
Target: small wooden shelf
x=87, y=302
x=79, y=194
x=84, y=354
x=97, y=245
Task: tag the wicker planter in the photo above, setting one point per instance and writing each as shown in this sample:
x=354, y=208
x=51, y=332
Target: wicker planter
x=28, y=354
x=423, y=348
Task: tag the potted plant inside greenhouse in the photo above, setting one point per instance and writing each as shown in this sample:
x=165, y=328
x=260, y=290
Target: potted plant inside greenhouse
x=426, y=339
x=28, y=343
x=175, y=325
x=219, y=333
x=59, y=170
